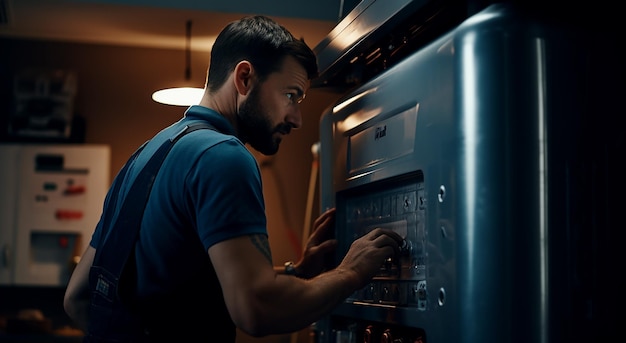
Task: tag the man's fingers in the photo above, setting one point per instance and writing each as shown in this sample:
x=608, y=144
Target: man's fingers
x=328, y=214
x=386, y=237
x=323, y=227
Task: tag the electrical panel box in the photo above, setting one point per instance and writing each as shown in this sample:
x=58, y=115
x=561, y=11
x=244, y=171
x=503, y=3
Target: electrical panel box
x=50, y=204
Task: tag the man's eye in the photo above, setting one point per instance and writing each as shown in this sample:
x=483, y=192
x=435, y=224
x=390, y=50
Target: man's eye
x=293, y=97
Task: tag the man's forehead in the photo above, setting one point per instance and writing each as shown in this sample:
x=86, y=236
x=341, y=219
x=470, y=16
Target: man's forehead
x=292, y=73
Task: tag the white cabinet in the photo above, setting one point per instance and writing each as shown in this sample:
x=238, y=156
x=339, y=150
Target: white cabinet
x=50, y=201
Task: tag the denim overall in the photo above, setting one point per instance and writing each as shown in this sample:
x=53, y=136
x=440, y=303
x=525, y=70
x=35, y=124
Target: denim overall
x=112, y=318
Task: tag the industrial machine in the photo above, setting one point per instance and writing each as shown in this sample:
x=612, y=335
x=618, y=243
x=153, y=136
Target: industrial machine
x=486, y=135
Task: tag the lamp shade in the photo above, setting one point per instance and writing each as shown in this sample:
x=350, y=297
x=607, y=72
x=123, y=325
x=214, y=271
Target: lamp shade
x=181, y=96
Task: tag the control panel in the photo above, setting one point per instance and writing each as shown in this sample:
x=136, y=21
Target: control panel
x=400, y=206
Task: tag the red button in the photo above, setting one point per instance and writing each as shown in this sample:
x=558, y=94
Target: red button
x=69, y=214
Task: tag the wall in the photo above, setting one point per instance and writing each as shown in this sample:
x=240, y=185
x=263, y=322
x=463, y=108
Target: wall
x=115, y=84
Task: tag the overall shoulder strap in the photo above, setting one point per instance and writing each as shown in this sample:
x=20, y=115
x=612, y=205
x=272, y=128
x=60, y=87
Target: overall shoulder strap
x=117, y=246
x=111, y=318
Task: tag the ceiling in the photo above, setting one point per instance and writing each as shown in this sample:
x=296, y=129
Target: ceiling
x=159, y=23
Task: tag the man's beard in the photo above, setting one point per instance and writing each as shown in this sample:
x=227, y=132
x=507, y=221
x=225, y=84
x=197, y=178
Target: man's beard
x=255, y=127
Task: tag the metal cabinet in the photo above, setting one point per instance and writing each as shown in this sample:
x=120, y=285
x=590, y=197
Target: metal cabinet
x=50, y=202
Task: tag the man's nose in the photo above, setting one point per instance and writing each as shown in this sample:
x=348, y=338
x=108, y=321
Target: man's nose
x=294, y=118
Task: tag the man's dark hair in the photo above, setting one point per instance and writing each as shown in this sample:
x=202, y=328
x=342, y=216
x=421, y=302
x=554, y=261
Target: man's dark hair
x=261, y=41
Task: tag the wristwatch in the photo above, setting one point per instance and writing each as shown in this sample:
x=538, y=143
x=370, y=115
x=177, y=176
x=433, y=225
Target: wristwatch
x=290, y=268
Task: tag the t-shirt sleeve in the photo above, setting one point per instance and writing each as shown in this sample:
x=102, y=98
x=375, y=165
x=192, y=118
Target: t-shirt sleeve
x=226, y=193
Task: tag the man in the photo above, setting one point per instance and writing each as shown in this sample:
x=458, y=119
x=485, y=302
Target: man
x=201, y=265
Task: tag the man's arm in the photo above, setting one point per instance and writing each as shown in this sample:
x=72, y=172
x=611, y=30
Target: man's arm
x=77, y=294
x=262, y=302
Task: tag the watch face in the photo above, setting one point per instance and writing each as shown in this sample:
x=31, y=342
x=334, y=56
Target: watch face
x=290, y=268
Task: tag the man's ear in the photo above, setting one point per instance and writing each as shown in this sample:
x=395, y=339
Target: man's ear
x=243, y=77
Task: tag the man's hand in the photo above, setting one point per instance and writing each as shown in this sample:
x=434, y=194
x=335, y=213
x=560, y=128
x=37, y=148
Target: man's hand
x=319, y=246
x=368, y=253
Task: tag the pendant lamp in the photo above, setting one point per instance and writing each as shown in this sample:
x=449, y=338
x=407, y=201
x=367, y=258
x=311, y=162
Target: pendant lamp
x=181, y=96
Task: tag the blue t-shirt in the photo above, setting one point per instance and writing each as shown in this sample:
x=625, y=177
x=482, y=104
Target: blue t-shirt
x=208, y=190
